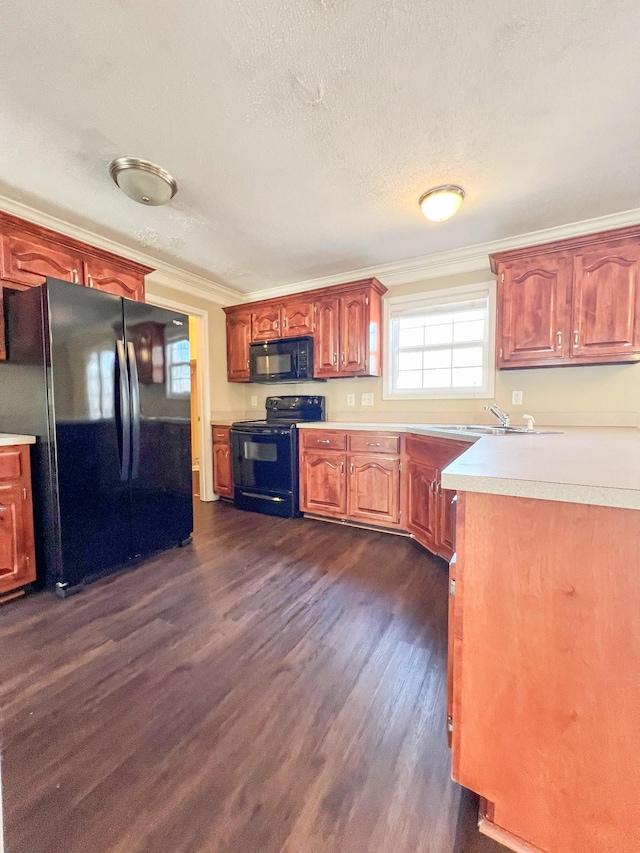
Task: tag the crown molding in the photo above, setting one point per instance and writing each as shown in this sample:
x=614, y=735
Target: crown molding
x=164, y=274
x=455, y=261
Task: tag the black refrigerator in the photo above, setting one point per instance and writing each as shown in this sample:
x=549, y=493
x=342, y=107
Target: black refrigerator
x=104, y=384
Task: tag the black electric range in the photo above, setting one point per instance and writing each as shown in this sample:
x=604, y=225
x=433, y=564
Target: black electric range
x=265, y=455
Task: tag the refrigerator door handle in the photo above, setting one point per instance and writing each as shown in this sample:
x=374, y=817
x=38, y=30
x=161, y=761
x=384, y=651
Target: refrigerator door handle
x=135, y=410
x=123, y=411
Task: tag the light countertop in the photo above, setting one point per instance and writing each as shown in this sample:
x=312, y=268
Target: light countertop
x=8, y=439
x=586, y=465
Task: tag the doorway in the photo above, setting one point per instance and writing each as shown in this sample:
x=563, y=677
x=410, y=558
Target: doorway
x=201, y=450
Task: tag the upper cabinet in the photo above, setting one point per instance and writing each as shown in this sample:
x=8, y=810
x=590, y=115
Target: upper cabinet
x=344, y=322
x=30, y=254
x=569, y=303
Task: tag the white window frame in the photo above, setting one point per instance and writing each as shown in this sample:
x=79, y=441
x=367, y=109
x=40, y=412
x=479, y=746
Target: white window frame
x=430, y=299
x=170, y=364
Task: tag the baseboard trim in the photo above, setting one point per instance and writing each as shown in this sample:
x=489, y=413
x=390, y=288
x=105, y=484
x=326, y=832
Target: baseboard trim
x=361, y=525
x=496, y=833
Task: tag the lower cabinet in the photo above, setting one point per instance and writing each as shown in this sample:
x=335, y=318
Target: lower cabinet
x=222, y=470
x=17, y=558
x=429, y=506
x=351, y=475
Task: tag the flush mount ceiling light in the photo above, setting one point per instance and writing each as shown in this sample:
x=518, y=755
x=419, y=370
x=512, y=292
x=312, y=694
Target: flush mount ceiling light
x=442, y=203
x=143, y=181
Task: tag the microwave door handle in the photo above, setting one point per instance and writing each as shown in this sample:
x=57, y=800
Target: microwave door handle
x=294, y=360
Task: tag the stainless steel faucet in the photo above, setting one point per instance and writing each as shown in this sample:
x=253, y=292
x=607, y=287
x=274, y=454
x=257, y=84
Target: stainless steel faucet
x=503, y=417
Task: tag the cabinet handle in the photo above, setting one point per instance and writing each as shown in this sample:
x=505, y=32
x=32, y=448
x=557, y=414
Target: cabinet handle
x=576, y=337
x=335, y=358
x=373, y=444
x=90, y=280
x=74, y=273
x=559, y=340
x=351, y=469
x=323, y=441
x=342, y=468
x=343, y=358
x=284, y=323
x=276, y=326
x=248, y=363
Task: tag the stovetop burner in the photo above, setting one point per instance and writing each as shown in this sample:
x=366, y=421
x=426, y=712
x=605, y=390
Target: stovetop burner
x=286, y=411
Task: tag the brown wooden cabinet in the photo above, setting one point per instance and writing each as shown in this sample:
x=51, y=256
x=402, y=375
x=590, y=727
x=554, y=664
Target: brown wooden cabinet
x=238, y=340
x=17, y=557
x=429, y=506
x=351, y=475
x=345, y=322
x=374, y=489
x=112, y=278
x=546, y=654
x=29, y=254
x=222, y=468
x=571, y=302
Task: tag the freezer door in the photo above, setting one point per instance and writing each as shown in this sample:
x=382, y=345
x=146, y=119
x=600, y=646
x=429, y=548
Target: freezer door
x=87, y=402
x=157, y=343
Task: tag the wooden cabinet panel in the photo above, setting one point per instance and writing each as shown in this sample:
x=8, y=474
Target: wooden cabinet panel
x=238, y=340
x=265, y=323
x=445, y=522
x=374, y=489
x=546, y=662
x=297, y=318
x=374, y=442
x=28, y=260
x=606, y=303
x=222, y=478
x=353, y=333
x=322, y=439
x=323, y=483
x=221, y=434
x=326, y=344
x=111, y=278
x=422, y=507
x=532, y=310
x=17, y=557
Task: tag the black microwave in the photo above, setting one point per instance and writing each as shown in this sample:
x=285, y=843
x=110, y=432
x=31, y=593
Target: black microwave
x=285, y=360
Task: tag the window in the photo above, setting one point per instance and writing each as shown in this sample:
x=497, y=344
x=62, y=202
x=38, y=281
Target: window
x=440, y=344
x=99, y=384
x=179, y=372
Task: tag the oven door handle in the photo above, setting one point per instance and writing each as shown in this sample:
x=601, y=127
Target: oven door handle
x=262, y=497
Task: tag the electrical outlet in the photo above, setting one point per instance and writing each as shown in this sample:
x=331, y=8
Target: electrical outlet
x=516, y=398
x=367, y=399
x=254, y=399
x=351, y=399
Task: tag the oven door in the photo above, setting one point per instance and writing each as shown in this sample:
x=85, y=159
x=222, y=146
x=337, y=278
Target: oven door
x=263, y=461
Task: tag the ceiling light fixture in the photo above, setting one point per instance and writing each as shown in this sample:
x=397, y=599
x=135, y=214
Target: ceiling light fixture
x=143, y=181
x=442, y=203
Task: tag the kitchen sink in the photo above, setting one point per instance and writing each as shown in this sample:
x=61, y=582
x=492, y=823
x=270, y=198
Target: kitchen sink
x=484, y=429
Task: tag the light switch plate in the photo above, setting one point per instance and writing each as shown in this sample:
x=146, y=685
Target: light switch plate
x=516, y=398
x=254, y=399
x=367, y=399
x=351, y=399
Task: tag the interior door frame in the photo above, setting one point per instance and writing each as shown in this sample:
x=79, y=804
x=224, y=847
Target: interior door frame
x=204, y=387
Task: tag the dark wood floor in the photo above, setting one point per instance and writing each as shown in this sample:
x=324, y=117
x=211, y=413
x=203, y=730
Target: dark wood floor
x=279, y=687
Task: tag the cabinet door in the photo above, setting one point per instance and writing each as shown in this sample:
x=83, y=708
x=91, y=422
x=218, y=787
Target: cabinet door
x=222, y=481
x=27, y=260
x=113, y=279
x=238, y=340
x=323, y=483
x=533, y=311
x=354, y=327
x=445, y=521
x=265, y=323
x=374, y=489
x=326, y=340
x=422, y=510
x=16, y=534
x=297, y=318
x=606, y=303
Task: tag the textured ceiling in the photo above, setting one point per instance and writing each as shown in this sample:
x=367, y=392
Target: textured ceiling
x=303, y=132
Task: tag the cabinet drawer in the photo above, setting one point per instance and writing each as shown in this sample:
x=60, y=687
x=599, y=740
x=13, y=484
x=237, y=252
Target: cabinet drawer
x=325, y=439
x=220, y=434
x=371, y=442
x=10, y=464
